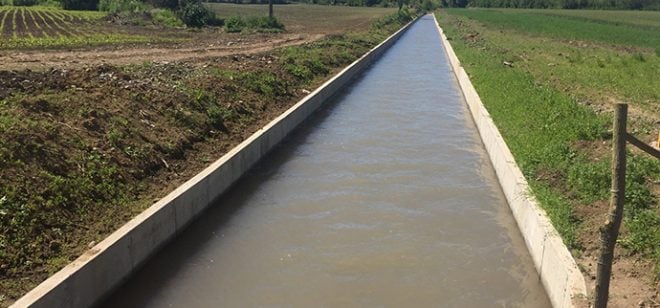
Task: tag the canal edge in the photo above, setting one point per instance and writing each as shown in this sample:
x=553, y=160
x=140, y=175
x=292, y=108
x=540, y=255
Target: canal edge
x=554, y=263
x=98, y=271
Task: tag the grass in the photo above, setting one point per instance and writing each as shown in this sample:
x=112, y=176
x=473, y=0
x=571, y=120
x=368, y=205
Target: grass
x=559, y=25
x=551, y=107
x=309, y=19
x=253, y=23
x=591, y=69
x=72, y=41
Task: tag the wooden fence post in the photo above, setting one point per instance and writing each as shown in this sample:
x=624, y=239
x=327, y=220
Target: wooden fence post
x=610, y=231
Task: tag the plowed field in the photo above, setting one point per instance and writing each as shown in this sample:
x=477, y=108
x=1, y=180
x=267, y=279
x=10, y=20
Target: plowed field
x=40, y=27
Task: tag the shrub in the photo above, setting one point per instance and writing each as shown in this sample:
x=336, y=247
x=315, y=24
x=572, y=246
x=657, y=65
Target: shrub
x=195, y=14
x=115, y=6
x=234, y=24
x=260, y=24
x=166, y=18
x=170, y=4
x=264, y=22
x=91, y=5
x=25, y=2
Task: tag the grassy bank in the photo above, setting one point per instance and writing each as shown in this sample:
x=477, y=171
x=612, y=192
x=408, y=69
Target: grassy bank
x=84, y=150
x=551, y=102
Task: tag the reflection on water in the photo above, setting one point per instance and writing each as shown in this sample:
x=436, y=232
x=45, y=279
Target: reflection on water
x=384, y=198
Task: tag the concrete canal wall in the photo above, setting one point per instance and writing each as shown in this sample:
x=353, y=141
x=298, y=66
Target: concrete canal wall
x=558, y=271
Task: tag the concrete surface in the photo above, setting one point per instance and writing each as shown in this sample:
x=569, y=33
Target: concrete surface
x=553, y=261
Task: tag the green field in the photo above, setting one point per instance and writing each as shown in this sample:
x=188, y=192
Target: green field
x=47, y=27
x=553, y=102
x=309, y=18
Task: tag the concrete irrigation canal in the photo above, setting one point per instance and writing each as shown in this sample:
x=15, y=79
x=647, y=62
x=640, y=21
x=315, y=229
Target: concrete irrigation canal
x=385, y=197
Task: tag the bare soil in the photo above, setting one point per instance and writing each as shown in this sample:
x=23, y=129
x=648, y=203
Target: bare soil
x=632, y=283
x=7, y=29
x=205, y=47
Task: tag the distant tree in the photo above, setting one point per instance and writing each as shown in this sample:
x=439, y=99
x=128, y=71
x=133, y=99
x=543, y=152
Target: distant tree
x=80, y=4
x=270, y=8
x=25, y=2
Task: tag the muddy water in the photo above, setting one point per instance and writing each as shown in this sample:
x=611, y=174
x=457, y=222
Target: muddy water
x=384, y=198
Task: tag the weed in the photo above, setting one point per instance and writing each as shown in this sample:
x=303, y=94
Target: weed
x=115, y=137
x=218, y=115
x=253, y=23
x=265, y=83
x=234, y=24
x=166, y=18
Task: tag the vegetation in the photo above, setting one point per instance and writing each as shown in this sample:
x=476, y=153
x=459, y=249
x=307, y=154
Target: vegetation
x=254, y=23
x=115, y=6
x=83, y=5
x=565, y=4
x=195, y=14
x=558, y=84
x=48, y=27
x=166, y=17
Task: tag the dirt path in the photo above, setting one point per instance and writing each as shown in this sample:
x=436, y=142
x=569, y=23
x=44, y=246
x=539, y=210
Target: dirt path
x=223, y=46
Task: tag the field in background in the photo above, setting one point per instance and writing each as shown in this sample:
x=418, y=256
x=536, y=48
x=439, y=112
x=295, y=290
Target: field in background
x=549, y=79
x=308, y=18
x=598, y=56
x=634, y=18
x=47, y=27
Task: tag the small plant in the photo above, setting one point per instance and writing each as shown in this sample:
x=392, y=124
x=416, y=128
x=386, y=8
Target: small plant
x=256, y=23
x=264, y=83
x=166, y=18
x=264, y=23
x=234, y=24
x=218, y=115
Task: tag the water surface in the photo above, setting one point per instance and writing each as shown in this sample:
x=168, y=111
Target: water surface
x=383, y=198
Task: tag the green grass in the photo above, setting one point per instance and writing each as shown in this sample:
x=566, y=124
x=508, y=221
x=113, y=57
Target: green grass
x=633, y=18
x=567, y=26
x=239, y=23
x=543, y=108
x=71, y=41
x=308, y=19
x=593, y=72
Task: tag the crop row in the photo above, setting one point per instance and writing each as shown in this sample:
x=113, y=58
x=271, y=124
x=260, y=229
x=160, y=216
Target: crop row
x=30, y=23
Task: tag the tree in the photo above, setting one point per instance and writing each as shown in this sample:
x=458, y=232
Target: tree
x=91, y=5
x=401, y=3
x=270, y=8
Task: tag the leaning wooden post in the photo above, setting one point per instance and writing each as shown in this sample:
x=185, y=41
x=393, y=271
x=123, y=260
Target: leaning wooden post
x=610, y=231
